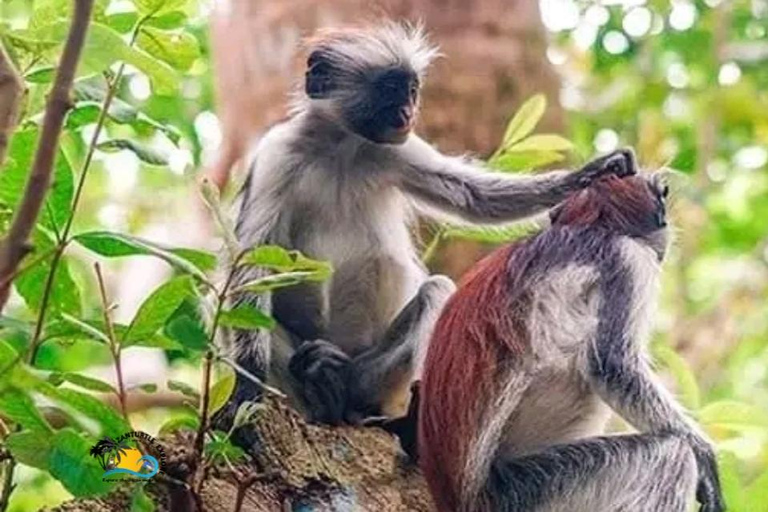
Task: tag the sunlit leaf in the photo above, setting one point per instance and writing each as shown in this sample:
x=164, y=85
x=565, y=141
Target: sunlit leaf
x=221, y=391
x=104, y=46
x=157, y=7
x=491, y=234
x=525, y=160
x=42, y=75
x=733, y=415
x=179, y=49
x=525, y=120
x=544, y=142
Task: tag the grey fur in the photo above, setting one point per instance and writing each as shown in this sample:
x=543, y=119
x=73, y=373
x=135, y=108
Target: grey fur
x=318, y=187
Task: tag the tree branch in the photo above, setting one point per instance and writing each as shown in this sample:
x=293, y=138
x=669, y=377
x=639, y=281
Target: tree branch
x=15, y=247
x=11, y=92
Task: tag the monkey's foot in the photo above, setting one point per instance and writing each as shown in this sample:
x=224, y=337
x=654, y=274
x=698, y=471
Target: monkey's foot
x=322, y=370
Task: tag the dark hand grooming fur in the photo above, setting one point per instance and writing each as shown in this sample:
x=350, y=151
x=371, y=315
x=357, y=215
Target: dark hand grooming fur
x=341, y=181
x=539, y=343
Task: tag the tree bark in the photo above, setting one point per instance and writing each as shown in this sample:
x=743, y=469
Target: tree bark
x=297, y=467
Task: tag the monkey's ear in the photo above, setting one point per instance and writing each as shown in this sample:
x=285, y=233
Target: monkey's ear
x=319, y=83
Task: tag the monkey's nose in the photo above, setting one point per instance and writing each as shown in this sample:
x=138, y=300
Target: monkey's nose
x=405, y=116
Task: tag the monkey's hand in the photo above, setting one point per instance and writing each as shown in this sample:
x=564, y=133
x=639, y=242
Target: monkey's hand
x=708, y=492
x=322, y=371
x=620, y=163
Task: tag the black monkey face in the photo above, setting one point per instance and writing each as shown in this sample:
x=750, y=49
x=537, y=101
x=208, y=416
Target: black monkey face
x=385, y=108
x=379, y=104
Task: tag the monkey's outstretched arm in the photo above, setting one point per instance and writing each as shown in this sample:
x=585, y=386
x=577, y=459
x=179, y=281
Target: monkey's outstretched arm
x=458, y=187
x=620, y=374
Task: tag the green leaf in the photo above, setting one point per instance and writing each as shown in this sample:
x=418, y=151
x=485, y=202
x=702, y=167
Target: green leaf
x=104, y=46
x=730, y=482
x=179, y=49
x=13, y=178
x=545, y=142
x=122, y=22
x=757, y=494
x=70, y=463
x=273, y=282
x=20, y=408
x=525, y=120
x=687, y=385
x=525, y=160
x=156, y=309
x=221, y=449
x=89, y=383
x=145, y=153
x=733, y=415
x=245, y=316
x=168, y=21
x=221, y=391
x=186, y=327
x=183, y=388
x=114, y=245
x=140, y=502
x=42, y=75
x=148, y=388
x=276, y=258
x=30, y=448
x=157, y=7
x=492, y=234
x=185, y=422
x=64, y=293
x=111, y=422
x=85, y=328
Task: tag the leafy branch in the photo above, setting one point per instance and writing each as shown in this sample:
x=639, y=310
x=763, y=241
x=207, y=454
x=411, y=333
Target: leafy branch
x=15, y=246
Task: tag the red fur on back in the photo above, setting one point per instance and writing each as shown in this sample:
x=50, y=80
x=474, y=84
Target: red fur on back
x=479, y=330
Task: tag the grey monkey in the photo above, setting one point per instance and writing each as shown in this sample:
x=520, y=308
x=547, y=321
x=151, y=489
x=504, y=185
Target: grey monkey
x=342, y=180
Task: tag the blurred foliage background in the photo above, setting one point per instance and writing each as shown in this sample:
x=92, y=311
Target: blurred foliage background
x=684, y=82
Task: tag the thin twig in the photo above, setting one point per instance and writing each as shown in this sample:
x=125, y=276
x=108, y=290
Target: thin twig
x=15, y=246
x=114, y=344
x=199, y=442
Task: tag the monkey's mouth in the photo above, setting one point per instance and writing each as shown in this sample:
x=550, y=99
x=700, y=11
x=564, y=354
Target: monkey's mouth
x=403, y=119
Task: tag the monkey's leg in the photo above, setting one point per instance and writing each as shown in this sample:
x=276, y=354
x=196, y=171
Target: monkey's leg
x=381, y=376
x=630, y=473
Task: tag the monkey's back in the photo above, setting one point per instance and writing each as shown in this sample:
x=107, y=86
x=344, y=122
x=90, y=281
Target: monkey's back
x=478, y=328
x=514, y=325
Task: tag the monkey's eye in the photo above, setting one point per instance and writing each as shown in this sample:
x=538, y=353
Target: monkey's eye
x=661, y=218
x=414, y=90
x=665, y=191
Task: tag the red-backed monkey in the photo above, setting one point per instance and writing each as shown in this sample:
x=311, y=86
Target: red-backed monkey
x=542, y=339
x=341, y=180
